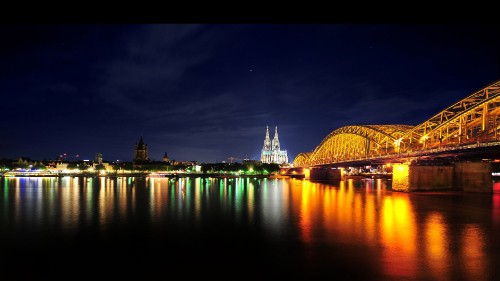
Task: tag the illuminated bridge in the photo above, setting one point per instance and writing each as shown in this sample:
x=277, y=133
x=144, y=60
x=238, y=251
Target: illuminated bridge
x=467, y=128
x=469, y=124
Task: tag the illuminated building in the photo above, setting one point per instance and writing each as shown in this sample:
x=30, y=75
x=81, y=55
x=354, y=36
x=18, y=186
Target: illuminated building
x=61, y=167
x=98, y=158
x=141, y=151
x=271, y=152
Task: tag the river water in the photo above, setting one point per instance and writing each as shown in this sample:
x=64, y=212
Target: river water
x=243, y=229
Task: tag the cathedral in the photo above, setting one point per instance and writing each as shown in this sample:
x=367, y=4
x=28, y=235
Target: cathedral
x=141, y=151
x=271, y=152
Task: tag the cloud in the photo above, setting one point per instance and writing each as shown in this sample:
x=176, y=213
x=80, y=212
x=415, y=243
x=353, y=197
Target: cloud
x=221, y=109
x=154, y=61
x=214, y=135
x=372, y=107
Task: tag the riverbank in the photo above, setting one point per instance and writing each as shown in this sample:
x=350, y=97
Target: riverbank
x=201, y=175
x=137, y=174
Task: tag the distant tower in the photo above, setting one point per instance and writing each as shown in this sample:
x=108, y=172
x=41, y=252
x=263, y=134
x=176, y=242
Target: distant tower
x=141, y=151
x=98, y=158
x=267, y=140
x=276, y=141
x=165, y=158
x=271, y=152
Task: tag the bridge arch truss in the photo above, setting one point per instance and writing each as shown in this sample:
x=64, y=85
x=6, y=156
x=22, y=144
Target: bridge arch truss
x=472, y=120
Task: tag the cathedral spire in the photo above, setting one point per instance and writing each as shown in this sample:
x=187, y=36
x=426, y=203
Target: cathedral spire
x=267, y=140
x=276, y=141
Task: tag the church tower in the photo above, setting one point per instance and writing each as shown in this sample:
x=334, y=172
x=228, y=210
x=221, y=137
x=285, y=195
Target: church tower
x=141, y=151
x=276, y=141
x=267, y=140
x=271, y=152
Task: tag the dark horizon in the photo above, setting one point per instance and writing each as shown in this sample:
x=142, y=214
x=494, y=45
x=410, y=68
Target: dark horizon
x=206, y=92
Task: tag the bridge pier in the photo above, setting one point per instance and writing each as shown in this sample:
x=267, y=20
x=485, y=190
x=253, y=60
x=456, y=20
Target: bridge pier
x=473, y=176
x=301, y=173
x=461, y=176
x=327, y=174
x=409, y=178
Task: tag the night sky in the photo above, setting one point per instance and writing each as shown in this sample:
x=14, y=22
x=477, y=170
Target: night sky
x=206, y=92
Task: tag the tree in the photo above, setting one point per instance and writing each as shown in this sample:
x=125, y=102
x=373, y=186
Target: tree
x=39, y=166
x=271, y=167
x=16, y=165
x=100, y=167
x=129, y=166
x=84, y=167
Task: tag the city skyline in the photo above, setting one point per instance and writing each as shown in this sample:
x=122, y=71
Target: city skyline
x=207, y=92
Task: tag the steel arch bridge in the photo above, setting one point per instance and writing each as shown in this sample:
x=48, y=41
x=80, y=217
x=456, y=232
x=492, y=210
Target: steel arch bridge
x=473, y=120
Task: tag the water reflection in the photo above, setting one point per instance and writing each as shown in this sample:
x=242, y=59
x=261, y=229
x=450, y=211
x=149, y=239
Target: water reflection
x=473, y=254
x=436, y=251
x=422, y=236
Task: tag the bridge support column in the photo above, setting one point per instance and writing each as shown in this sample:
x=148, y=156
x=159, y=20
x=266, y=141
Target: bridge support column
x=409, y=178
x=307, y=173
x=295, y=173
x=473, y=176
x=284, y=171
x=461, y=176
x=327, y=174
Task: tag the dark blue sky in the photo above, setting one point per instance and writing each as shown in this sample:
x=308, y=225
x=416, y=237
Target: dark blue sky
x=207, y=92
